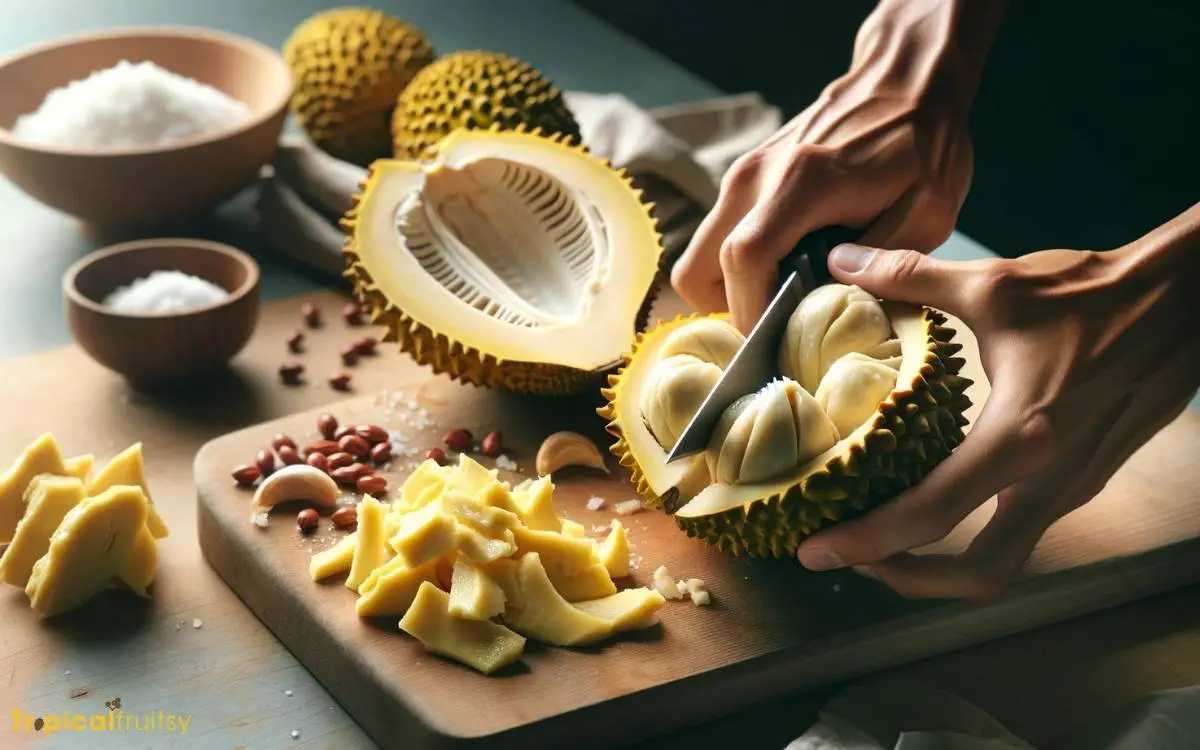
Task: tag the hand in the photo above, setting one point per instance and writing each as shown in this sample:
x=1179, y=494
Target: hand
x=885, y=148
x=1088, y=354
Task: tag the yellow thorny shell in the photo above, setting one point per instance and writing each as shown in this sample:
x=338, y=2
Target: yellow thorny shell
x=476, y=89
x=512, y=260
x=784, y=462
x=349, y=66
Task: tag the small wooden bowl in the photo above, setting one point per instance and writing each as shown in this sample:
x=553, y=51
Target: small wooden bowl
x=124, y=190
x=156, y=348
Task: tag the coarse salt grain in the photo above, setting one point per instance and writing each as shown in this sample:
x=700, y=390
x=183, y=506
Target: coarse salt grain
x=165, y=291
x=595, y=503
x=130, y=105
x=628, y=507
x=505, y=463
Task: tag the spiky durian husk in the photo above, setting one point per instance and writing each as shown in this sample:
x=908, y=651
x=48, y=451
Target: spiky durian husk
x=350, y=66
x=914, y=429
x=476, y=89
x=470, y=364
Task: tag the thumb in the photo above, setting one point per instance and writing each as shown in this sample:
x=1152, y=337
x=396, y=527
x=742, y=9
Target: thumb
x=904, y=276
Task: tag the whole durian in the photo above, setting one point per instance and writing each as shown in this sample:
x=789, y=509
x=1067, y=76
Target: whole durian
x=349, y=65
x=475, y=89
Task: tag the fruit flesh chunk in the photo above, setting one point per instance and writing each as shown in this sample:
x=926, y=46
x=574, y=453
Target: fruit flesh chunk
x=831, y=321
x=43, y=456
x=128, y=468
x=370, y=549
x=473, y=595
x=480, y=644
x=48, y=500
x=88, y=551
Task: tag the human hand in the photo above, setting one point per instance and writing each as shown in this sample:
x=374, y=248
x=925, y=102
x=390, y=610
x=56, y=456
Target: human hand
x=1088, y=354
x=885, y=148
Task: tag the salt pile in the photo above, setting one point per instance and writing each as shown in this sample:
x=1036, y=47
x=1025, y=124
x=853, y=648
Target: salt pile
x=165, y=291
x=129, y=105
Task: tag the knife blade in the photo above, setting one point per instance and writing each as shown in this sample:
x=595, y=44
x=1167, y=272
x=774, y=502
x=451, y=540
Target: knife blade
x=757, y=361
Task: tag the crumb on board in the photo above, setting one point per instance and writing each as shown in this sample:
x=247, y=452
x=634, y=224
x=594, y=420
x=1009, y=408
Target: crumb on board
x=595, y=502
x=628, y=507
x=665, y=584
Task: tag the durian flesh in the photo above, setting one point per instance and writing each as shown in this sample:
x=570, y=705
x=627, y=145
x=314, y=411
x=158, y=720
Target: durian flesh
x=867, y=401
x=511, y=260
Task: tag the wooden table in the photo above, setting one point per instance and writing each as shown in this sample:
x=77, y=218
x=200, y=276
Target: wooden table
x=230, y=676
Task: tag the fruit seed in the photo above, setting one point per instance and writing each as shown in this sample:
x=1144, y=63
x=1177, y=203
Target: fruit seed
x=318, y=461
x=265, y=462
x=436, y=454
x=246, y=474
x=295, y=342
x=281, y=440
x=372, y=485
x=289, y=456
x=311, y=314
x=290, y=372
x=373, y=434
x=307, y=520
x=327, y=425
x=321, y=446
x=343, y=431
x=355, y=446
x=492, y=444
x=338, y=460
x=350, y=474
x=340, y=381
x=458, y=440
x=345, y=517
x=381, y=452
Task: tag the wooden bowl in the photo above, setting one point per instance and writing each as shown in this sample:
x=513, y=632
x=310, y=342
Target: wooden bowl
x=123, y=189
x=156, y=348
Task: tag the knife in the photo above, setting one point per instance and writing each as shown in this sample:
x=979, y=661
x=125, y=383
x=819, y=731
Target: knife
x=757, y=361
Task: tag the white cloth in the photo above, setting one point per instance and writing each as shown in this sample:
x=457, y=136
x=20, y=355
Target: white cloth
x=676, y=155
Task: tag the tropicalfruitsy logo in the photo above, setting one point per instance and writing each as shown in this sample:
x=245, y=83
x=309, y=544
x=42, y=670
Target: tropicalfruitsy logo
x=113, y=720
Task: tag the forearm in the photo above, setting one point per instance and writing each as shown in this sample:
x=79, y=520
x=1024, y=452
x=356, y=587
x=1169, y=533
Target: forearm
x=929, y=49
x=1168, y=254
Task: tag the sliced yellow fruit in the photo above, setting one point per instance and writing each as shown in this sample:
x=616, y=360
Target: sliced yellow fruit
x=392, y=591
x=614, y=552
x=370, y=549
x=483, y=645
x=128, y=467
x=43, y=456
x=48, y=499
x=473, y=595
x=336, y=559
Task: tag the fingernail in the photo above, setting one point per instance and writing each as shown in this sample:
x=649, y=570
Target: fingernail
x=819, y=558
x=850, y=258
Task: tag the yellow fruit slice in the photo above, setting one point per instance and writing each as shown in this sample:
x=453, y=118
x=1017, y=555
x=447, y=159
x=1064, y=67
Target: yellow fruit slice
x=480, y=644
x=48, y=499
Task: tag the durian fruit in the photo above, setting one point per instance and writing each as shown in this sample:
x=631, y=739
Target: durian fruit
x=476, y=89
x=867, y=401
x=512, y=260
x=349, y=66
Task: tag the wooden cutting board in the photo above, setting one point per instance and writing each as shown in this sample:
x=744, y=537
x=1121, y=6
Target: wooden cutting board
x=773, y=627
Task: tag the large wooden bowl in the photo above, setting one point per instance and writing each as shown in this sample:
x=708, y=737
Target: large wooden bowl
x=124, y=189
x=155, y=349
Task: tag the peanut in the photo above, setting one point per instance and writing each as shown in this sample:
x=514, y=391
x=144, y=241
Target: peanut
x=340, y=381
x=339, y=459
x=355, y=446
x=327, y=425
x=307, y=520
x=281, y=440
x=492, y=444
x=290, y=372
x=345, y=517
x=246, y=474
x=381, y=452
x=349, y=356
x=318, y=461
x=365, y=346
x=458, y=440
x=372, y=485
x=343, y=432
x=311, y=315
x=436, y=454
x=289, y=456
x=352, y=313
x=265, y=462
x=350, y=474
x=373, y=434
x=295, y=342
x=321, y=446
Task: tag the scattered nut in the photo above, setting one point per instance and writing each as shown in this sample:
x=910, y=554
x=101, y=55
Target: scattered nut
x=458, y=440
x=281, y=440
x=436, y=454
x=352, y=313
x=290, y=372
x=289, y=456
x=311, y=314
x=295, y=342
x=351, y=474
x=365, y=346
x=343, y=431
x=246, y=474
x=491, y=445
x=349, y=356
x=296, y=482
x=265, y=462
x=340, y=381
x=372, y=485
x=355, y=446
x=373, y=434
x=339, y=459
x=345, y=517
x=327, y=425
x=568, y=448
x=381, y=452
x=321, y=446
x=317, y=461
x=307, y=520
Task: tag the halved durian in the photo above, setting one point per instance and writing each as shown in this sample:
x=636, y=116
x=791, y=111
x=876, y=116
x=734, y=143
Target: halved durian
x=511, y=260
x=886, y=405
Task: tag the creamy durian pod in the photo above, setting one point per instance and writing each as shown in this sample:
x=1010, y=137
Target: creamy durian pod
x=712, y=340
x=853, y=386
x=832, y=321
x=765, y=434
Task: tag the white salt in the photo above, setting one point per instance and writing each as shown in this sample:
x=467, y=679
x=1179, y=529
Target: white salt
x=165, y=291
x=505, y=463
x=595, y=502
x=130, y=105
x=628, y=507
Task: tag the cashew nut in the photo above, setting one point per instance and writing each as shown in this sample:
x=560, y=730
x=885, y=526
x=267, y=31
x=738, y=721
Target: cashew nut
x=568, y=448
x=294, y=482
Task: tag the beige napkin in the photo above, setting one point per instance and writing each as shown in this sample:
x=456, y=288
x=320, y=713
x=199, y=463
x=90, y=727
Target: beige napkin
x=675, y=154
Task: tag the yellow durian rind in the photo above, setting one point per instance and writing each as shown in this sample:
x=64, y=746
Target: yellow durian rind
x=913, y=429
x=469, y=361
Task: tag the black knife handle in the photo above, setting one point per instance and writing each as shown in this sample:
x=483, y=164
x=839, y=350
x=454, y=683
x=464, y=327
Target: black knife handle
x=816, y=246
